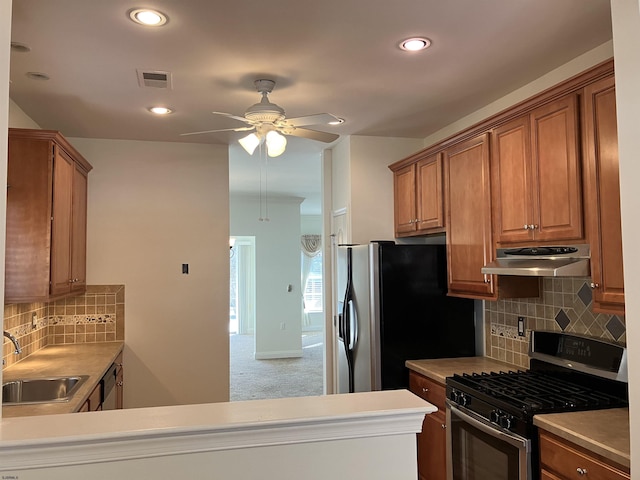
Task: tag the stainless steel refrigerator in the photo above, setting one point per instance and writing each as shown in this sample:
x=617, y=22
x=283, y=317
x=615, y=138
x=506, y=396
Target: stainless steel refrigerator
x=393, y=306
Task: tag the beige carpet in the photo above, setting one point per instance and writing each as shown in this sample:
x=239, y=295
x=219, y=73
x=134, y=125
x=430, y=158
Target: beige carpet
x=252, y=379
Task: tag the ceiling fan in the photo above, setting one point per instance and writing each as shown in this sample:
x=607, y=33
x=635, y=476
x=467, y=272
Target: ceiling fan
x=270, y=124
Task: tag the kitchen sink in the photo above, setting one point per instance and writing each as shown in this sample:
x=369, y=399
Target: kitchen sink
x=41, y=390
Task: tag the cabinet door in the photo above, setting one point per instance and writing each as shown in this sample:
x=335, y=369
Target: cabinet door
x=511, y=183
x=468, y=197
x=430, y=212
x=557, y=202
x=63, y=169
x=404, y=189
x=79, y=232
x=432, y=451
x=603, y=196
x=119, y=382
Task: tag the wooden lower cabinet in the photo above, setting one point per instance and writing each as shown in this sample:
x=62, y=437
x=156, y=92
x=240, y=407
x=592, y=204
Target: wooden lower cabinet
x=119, y=382
x=562, y=460
x=432, y=441
x=94, y=402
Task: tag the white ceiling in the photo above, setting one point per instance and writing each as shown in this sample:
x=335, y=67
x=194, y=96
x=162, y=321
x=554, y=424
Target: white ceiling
x=336, y=56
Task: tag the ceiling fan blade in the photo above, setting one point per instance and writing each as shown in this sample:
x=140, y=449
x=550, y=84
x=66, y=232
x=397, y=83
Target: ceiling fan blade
x=313, y=134
x=240, y=129
x=316, y=119
x=235, y=117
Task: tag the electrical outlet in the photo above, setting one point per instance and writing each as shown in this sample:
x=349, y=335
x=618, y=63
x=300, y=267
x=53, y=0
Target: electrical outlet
x=521, y=326
x=283, y=326
x=34, y=320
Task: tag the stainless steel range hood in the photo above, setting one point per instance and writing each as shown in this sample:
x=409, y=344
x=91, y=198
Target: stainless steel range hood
x=560, y=261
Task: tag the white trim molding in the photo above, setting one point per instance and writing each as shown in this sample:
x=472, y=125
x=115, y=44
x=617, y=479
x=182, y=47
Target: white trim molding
x=118, y=435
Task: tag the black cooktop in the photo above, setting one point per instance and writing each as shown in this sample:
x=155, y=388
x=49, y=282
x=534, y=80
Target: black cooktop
x=531, y=392
x=567, y=373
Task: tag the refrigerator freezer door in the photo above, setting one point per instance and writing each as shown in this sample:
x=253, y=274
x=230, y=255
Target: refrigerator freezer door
x=360, y=318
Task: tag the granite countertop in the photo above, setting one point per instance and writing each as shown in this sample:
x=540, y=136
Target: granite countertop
x=92, y=359
x=439, y=369
x=604, y=432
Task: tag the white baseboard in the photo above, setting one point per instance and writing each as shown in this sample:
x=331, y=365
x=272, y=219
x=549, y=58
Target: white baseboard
x=280, y=354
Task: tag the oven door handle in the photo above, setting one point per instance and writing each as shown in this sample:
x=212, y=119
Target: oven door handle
x=512, y=439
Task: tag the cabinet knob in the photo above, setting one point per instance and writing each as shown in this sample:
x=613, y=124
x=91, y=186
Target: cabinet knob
x=581, y=471
x=443, y=426
x=424, y=390
x=594, y=285
x=417, y=220
x=119, y=384
x=411, y=222
x=533, y=227
x=526, y=227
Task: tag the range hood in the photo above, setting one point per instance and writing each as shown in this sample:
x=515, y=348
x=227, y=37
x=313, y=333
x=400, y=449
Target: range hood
x=561, y=261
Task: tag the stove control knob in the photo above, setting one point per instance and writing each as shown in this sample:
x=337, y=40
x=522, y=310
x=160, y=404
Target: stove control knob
x=494, y=416
x=505, y=421
x=464, y=399
x=455, y=396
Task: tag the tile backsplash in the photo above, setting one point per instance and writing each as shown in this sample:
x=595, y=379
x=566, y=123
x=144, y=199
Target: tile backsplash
x=564, y=305
x=96, y=316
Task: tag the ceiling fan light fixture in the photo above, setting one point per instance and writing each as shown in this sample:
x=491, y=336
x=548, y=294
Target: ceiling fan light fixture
x=276, y=143
x=147, y=17
x=250, y=142
x=415, y=44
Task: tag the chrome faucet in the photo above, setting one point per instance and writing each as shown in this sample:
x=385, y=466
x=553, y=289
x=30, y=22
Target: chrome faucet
x=15, y=342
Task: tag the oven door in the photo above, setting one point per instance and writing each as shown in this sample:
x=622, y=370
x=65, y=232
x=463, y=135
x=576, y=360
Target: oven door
x=476, y=449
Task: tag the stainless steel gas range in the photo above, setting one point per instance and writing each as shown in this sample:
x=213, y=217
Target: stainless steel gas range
x=490, y=431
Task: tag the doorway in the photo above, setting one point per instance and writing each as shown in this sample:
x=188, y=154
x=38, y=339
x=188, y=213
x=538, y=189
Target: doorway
x=251, y=378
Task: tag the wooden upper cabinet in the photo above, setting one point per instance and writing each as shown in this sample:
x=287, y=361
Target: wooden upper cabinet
x=46, y=217
x=429, y=199
x=79, y=231
x=536, y=176
x=602, y=196
x=61, y=223
x=404, y=192
x=468, y=217
x=418, y=200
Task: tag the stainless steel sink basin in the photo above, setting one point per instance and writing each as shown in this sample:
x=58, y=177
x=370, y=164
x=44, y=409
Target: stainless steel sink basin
x=41, y=390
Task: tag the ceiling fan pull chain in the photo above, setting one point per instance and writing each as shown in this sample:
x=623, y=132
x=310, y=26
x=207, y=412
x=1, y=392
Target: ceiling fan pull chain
x=266, y=187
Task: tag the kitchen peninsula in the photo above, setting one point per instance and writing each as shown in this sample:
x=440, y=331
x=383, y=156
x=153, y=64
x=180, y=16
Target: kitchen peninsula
x=363, y=435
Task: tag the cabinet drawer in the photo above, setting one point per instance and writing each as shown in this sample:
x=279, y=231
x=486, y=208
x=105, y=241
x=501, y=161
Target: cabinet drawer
x=568, y=461
x=430, y=390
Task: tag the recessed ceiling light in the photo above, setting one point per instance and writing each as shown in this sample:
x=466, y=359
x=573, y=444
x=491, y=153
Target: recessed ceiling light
x=160, y=110
x=337, y=121
x=150, y=18
x=415, y=44
x=37, y=76
x=20, y=47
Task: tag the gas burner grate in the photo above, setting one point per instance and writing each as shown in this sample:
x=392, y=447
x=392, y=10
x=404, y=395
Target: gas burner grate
x=534, y=392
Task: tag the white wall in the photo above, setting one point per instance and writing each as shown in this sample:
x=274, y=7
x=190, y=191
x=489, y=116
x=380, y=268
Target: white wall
x=311, y=224
x=626, y=38
x=19, y=119
x=152, y=207
x=372, y=184
x=5, y=40
x=277, y=267
x=363, y=184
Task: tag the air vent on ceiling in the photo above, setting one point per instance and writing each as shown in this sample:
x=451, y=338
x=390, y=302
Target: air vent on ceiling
x=154, y=78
